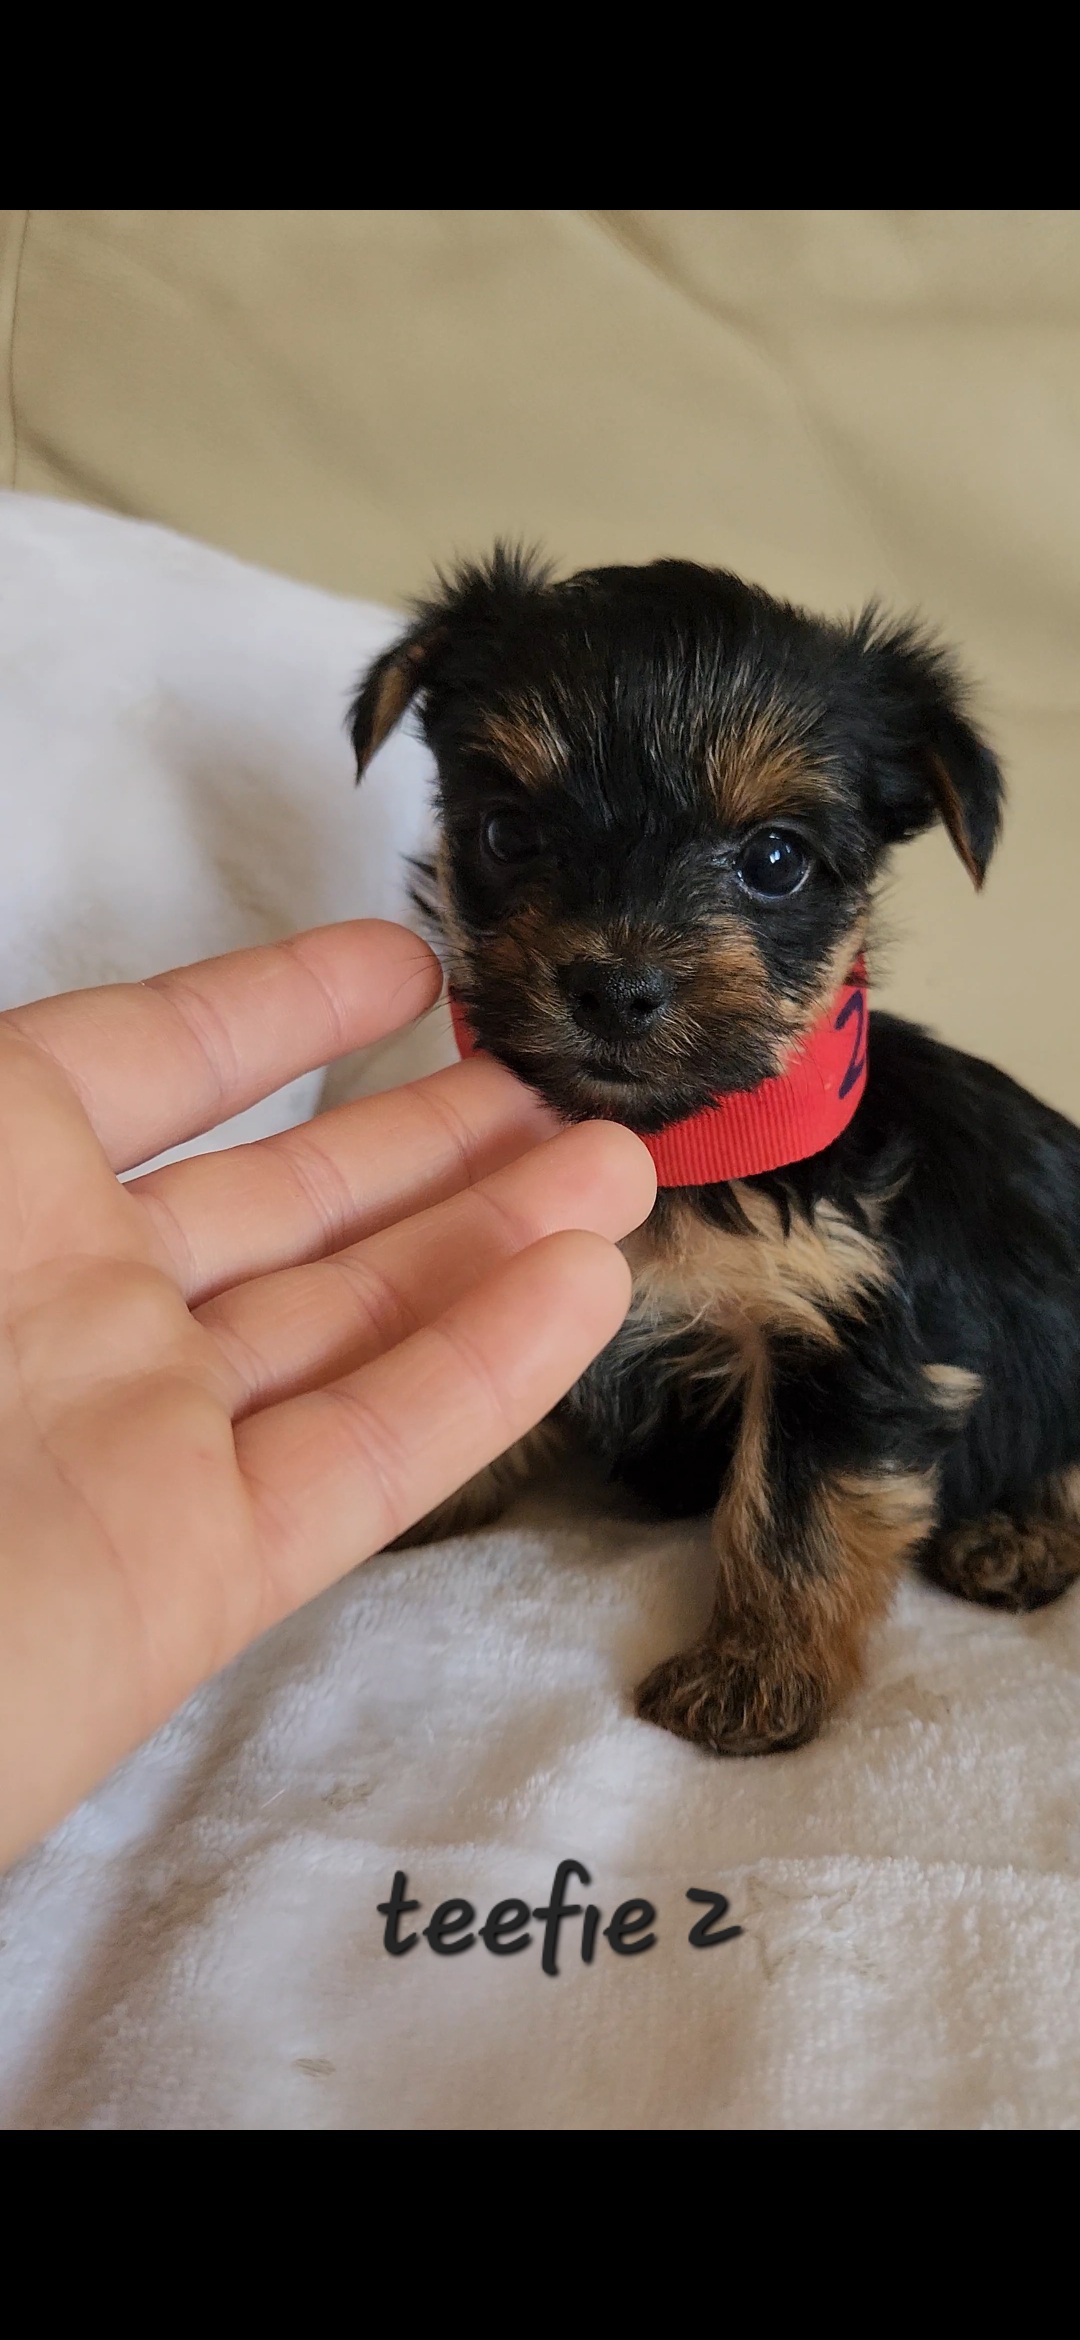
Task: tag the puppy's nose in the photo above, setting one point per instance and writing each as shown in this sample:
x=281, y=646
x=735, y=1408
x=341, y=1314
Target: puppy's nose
x=613, y=1002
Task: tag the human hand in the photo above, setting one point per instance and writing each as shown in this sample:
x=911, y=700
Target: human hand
x=226, y=1382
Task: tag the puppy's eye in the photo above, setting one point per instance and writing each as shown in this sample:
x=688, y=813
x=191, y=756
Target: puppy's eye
x=772, y=863
x=510, y=836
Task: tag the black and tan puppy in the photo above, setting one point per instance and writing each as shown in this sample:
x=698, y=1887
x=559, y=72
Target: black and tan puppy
x=664, y=800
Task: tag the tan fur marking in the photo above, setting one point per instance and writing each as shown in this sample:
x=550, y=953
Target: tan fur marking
x=745, y=1503
x=785, y=1646
x=1063, y=1495
x=873, y=1522
x=952, y=814
x=398, y=685
x=813, y=1617
x=734, y=1286
x=954, y=1388
x=526, y=740
x=395, y=691
x=755, y=774
x=730, y=969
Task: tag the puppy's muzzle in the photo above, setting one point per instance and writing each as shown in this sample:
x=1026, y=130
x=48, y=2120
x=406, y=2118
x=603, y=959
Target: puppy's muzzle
x=613, y=1002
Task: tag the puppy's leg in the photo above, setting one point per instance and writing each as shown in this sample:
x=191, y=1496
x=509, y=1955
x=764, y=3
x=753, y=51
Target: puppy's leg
x=1009, y=1562
x=483, y=1498
x=824, y=1500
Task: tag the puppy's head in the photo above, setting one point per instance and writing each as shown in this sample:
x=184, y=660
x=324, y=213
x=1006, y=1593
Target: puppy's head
x=664, y=798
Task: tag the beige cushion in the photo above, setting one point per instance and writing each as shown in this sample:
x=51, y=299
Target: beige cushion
x=835, y=403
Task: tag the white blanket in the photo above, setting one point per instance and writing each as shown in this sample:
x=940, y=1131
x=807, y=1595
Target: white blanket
x=200, y=1945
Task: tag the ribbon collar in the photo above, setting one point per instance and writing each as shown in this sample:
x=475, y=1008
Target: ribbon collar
x=786, y=1118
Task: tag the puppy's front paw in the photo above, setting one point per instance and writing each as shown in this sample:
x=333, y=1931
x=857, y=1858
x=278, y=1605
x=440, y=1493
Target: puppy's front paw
x=732, y=1705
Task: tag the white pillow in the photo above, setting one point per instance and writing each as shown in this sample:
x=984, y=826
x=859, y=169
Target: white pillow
x=175, y=778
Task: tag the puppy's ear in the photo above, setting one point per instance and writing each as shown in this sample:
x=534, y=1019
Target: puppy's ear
x=388, y=687
x=474, y=605
x=928, y=759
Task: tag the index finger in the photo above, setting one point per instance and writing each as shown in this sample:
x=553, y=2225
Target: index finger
x=154, y=1063
x=338, y=1472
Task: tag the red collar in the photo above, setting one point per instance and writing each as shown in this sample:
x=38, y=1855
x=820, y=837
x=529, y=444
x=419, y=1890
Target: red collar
x=796, y=1113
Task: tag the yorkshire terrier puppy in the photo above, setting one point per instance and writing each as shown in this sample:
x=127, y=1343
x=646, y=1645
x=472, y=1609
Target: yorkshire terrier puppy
x=664, y=800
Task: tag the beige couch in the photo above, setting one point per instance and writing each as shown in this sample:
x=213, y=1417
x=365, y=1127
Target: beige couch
x=837, y=403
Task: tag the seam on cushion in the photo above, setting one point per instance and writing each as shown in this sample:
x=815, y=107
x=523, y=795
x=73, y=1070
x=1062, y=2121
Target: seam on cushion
x=12, y=323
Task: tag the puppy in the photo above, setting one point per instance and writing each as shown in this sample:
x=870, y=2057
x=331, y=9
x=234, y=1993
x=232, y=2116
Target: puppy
x=664, y=801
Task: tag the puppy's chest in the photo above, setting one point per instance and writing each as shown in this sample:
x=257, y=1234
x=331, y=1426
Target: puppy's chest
x=709, y=1301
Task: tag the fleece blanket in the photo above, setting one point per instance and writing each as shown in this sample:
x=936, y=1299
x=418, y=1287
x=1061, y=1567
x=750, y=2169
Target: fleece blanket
x=887, y=1922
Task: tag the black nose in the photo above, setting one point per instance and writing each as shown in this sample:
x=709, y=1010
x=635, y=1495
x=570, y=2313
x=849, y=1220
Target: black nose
x=613, y=1002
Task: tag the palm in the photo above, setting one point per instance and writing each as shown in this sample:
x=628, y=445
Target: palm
x=224, y=1384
